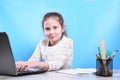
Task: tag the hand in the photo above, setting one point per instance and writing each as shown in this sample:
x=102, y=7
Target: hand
x=24, y=66
x=20, y=66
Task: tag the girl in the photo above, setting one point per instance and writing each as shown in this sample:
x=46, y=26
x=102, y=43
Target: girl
x=56, y=50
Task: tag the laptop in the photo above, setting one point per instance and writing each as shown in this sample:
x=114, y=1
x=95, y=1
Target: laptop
x=7, y=62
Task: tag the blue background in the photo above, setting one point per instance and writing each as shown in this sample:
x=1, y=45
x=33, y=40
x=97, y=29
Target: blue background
x=87, y=22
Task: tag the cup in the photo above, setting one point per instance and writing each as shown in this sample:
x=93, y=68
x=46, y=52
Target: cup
x=104, y=67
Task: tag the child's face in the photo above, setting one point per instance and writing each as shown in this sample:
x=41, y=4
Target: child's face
x=53, y=30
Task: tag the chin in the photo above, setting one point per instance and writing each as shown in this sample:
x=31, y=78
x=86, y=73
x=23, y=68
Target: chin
x=53, y=40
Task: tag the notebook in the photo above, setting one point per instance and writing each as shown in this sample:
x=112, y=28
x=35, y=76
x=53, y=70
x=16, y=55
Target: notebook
x=7, y=62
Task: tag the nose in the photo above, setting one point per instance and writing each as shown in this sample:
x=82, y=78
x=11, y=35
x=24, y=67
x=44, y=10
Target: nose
x=51, y=31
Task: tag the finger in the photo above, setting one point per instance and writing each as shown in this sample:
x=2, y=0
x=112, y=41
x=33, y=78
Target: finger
x=18, y=67
x=23, y=67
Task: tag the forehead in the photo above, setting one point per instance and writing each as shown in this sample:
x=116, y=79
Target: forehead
x=51, y=20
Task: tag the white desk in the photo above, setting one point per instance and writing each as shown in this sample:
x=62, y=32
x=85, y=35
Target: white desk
x=61, y=76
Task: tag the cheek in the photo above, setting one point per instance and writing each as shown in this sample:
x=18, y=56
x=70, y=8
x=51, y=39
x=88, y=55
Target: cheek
x=59, y=31
x=46, y=33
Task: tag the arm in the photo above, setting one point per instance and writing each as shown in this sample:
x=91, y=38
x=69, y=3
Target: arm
x=36, y=55
x=21, y=66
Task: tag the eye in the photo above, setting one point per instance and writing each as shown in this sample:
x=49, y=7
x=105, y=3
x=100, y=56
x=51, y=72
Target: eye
x=47, y=29
x=55, y=27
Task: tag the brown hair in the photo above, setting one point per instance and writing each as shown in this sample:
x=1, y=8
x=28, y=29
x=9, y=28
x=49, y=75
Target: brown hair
x=54, y=14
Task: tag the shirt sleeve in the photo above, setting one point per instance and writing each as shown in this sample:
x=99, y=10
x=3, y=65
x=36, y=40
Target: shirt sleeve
x=66, y=52
x=36, y=54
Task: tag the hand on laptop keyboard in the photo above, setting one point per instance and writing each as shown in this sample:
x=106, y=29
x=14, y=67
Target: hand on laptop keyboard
x=33, y=69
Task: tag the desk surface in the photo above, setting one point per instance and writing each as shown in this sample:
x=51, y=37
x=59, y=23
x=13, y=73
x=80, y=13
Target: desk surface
x=61, y=76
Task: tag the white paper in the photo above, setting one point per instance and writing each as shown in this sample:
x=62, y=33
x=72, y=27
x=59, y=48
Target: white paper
x=78, y=71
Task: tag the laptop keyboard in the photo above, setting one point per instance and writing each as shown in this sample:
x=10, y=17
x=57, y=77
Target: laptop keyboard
x=29, y=70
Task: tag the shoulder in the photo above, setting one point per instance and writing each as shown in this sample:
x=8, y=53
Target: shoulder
x=43, y=42
x=68, y=41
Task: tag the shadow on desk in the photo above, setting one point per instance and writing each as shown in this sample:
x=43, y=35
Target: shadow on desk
x=25, y=73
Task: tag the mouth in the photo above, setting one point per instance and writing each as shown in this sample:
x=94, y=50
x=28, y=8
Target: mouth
x=52, y=37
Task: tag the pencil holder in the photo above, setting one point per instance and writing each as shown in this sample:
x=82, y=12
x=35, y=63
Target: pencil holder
x=104, y=67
